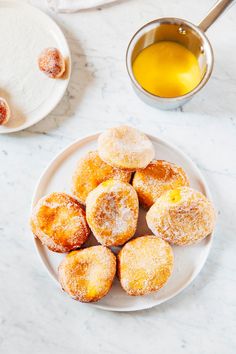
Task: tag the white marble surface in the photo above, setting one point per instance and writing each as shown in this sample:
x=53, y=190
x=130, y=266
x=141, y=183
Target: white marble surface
x=34, y=316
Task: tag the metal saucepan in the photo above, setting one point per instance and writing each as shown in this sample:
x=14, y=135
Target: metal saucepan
x=181, y=31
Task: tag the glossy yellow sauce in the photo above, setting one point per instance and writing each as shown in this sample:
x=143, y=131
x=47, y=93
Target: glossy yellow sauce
x=167, y=69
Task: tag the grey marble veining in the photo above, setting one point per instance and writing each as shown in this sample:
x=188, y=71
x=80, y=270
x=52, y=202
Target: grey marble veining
x=37, y=318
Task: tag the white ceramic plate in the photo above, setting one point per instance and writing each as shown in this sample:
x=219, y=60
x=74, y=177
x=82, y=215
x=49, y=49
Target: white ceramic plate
x=25, y=32
x=188, y=260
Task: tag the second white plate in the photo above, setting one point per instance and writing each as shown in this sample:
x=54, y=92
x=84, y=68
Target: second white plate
x=189, y=260
x=25, y=32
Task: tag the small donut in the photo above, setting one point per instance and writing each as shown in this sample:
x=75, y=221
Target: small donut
x=126, y=148
x=52, y=63
x=5, y=112
x=87, y=274
x=112, y=212
x=158, y=177
x=144, y=265
x=90, y=172
x=59, y=221
x=181, y=216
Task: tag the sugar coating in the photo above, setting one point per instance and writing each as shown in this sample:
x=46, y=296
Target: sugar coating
x=58, y=220
x=158, y=177
x=144, y=265
x=112, y=212
x=125, y=147
x=52, y=63
x=90, y=172
x=182, y=216
x=87, y=275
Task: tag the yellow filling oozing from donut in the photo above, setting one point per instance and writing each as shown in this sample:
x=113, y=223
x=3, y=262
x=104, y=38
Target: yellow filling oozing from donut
x=108, y=183
x=91, y=291
x=174, y=196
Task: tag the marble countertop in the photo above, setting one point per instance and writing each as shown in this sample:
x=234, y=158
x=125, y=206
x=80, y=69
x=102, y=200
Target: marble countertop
x=34, y=317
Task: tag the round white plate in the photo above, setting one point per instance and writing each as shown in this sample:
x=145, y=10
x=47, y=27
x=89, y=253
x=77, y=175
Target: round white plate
x=189, y=260
x=25, y=32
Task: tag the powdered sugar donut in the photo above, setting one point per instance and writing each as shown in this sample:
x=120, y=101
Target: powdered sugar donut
x=112, y=212
x=5, y=112
x=52, y=63
x=87, y=275
x=158, y=177
x=58, y=220
x=144, y=265
x=181, y=216
x=91, y=171
x=126, y=148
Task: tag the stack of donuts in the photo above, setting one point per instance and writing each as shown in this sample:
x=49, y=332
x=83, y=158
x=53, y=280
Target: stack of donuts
x=108, y=187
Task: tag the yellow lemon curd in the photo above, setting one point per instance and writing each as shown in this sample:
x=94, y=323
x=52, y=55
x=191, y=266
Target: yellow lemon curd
x=174, y=196
x=167, y=69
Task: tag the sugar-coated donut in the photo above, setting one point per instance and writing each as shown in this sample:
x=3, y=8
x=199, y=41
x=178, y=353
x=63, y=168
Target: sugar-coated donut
x=181, y=216
x=90, y=172
x=144, y=265
x=112, y=212
x=125, y=147
x=87, y=274
x=59, y=221
x=158, y=177
x=52, y=63
x=5, y=112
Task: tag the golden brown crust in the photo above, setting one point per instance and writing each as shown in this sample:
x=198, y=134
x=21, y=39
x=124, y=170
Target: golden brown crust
x=52, y=63
x=126, y=148
x=59, y=221
x=112, y=212
x=5, y=112
x=181, y=216
x=87, y=275
x=154, y=180
x=144, y=265
x=90, y=172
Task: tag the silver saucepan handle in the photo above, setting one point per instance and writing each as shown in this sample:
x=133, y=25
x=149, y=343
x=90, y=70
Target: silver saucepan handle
x=214, y=13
